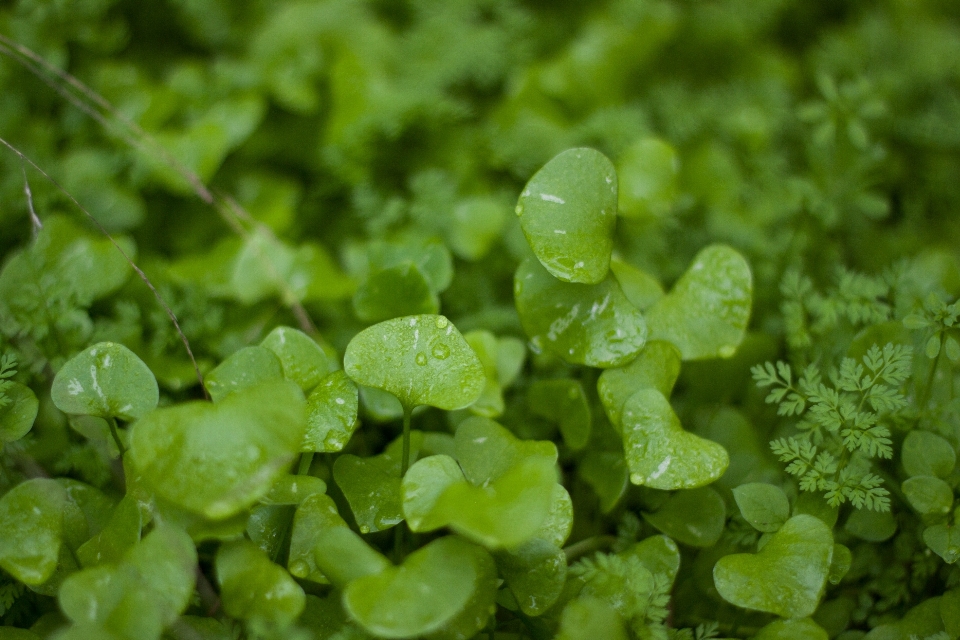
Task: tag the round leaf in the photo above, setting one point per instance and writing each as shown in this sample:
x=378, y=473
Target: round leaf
x=563, y=401
x=301, y=358
x=331, y=414
x=31, y=529
x=591, y=324
x=398, y=291
x=218, y=459
x=422, y=360
x=486, y=450
x=802, y=629
x=372, y=487
x=695, y=517
x=659, y=554
x=763, y=505
x=253, y=588
x=648, y=171
x=787, y=577
x=943, y=540
x=536, y=573
x=641, y=289
x=313, y=517
x=587, y=618
x=568, y=212
x=18, y=415
x=432, y=586
x=705, y=315
x=928, y=495
x=245, y=368
x=659, y=453
x=422, y=487
x=927, y=454
x=343, y=556
x=107, y=380
x=657, y=367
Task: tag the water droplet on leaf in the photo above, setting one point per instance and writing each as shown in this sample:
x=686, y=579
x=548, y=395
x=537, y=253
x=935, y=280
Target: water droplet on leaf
x=441, y=351
x=421, y=359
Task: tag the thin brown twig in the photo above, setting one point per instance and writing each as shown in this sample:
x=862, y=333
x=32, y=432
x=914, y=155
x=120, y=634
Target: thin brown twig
x=133, y=265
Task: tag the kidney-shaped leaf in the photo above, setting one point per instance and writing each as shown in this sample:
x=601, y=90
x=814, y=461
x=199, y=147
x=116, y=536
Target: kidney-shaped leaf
x=245, y=368
x=218, y=459
x=660, y=454
x=486, y=450
x=302, y=359
x=657, y=367
x=429, y=590
x=705, y=314
x=31, y=529
x=422, y=360
x=106, y=380
x=591, y=324
x=787, y=576
x=253, y=588
x=568, y=212
x=18, y=415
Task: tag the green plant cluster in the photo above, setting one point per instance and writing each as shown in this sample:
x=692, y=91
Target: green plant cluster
x=508, y=319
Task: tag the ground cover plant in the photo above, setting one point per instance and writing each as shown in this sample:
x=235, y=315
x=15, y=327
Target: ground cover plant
x=515, y=319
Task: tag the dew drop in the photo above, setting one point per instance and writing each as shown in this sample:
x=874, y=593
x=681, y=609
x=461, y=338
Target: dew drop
x=364, y=529
x=440, y=351
x=442, y=322
x=636, y=478
x=421, y=359
x=299, y=569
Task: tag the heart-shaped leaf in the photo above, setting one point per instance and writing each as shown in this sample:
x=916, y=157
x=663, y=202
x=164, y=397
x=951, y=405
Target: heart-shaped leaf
x=428, y=591
x=563, y=401
x=19, y=413
x=253, y=588
x=303, y=360
x=657, y=367
x=928, y=494
x=218, y=459
x=943, y=540
x=591, y=324
x=641, y=289
x=372, y=487
x=314, y=516
x=331, y=413
x=705, y=315
x=788, y=575
x=763, y=505
x=166, y=561
x=648, y=171
x=659, y=453
x=398, y=291
x=568, y=212
x=927, y=454
x=422, y=360
x=536, y=572
x=694, y=517
x=31, y=529
x=486, y=450
x=107, y=380
x=245, y=368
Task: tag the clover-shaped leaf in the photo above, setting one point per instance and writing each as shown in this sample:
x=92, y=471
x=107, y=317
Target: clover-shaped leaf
x=786, y=577
x=568, y=212
x=331, y=413
x=659, y=453
x=247, y=367
x=19, y=413
x=31, y=529
x=659, y=554
x=591, y=324
x=302, y=359
x=253, y=588
x=218, y=459
x=705, y=314
x=107, y=380
x=657, y=367
x=430, y=590
x=422, y=360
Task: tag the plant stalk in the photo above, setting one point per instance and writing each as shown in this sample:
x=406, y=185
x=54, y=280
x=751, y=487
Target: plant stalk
x=116, y=436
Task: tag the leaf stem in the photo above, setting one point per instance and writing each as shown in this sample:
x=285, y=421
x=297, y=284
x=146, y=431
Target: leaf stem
x=589, y=545
x=306, y=459
x=116, y=436
x=405, y=460
x=928, y=389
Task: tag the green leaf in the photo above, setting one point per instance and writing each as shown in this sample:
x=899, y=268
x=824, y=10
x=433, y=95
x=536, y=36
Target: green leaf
x=331, y=414
x=422, y=487
x=705, y=315
x=219, y=459
x=166, y=561
x=659, y=554
x=303, y=360
x=788, y=575
x=588, y=618
x=18, y=415
x=293, y=489
x=315, y=515
x=559, y=522
x=486, y=450
x=429, y=590
x=840, y=564
x=694, y=517
x=802, y=629
x=107, y=380
x=659, y=453
x=502, y=360
x=657, y=367
x=950, y=611
x=943, y=540
x=927, y=454
x=928, y=494
x=763, y=505
x=31, y=529
x=568, y=211
x=248, y=367
x=648, y=171
x=372, y=487
x=563, y=401
x=121, y=533
x=422, y=360
x=641, y=289
x=390, y=293
x=535, y=572
x=344, y=557
x=477, y=223
x=591, y=324
x=872, y=526
x=253, y=588
x=606, y=473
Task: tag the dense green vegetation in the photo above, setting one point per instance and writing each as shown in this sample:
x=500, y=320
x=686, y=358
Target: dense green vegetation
x=626, y=319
